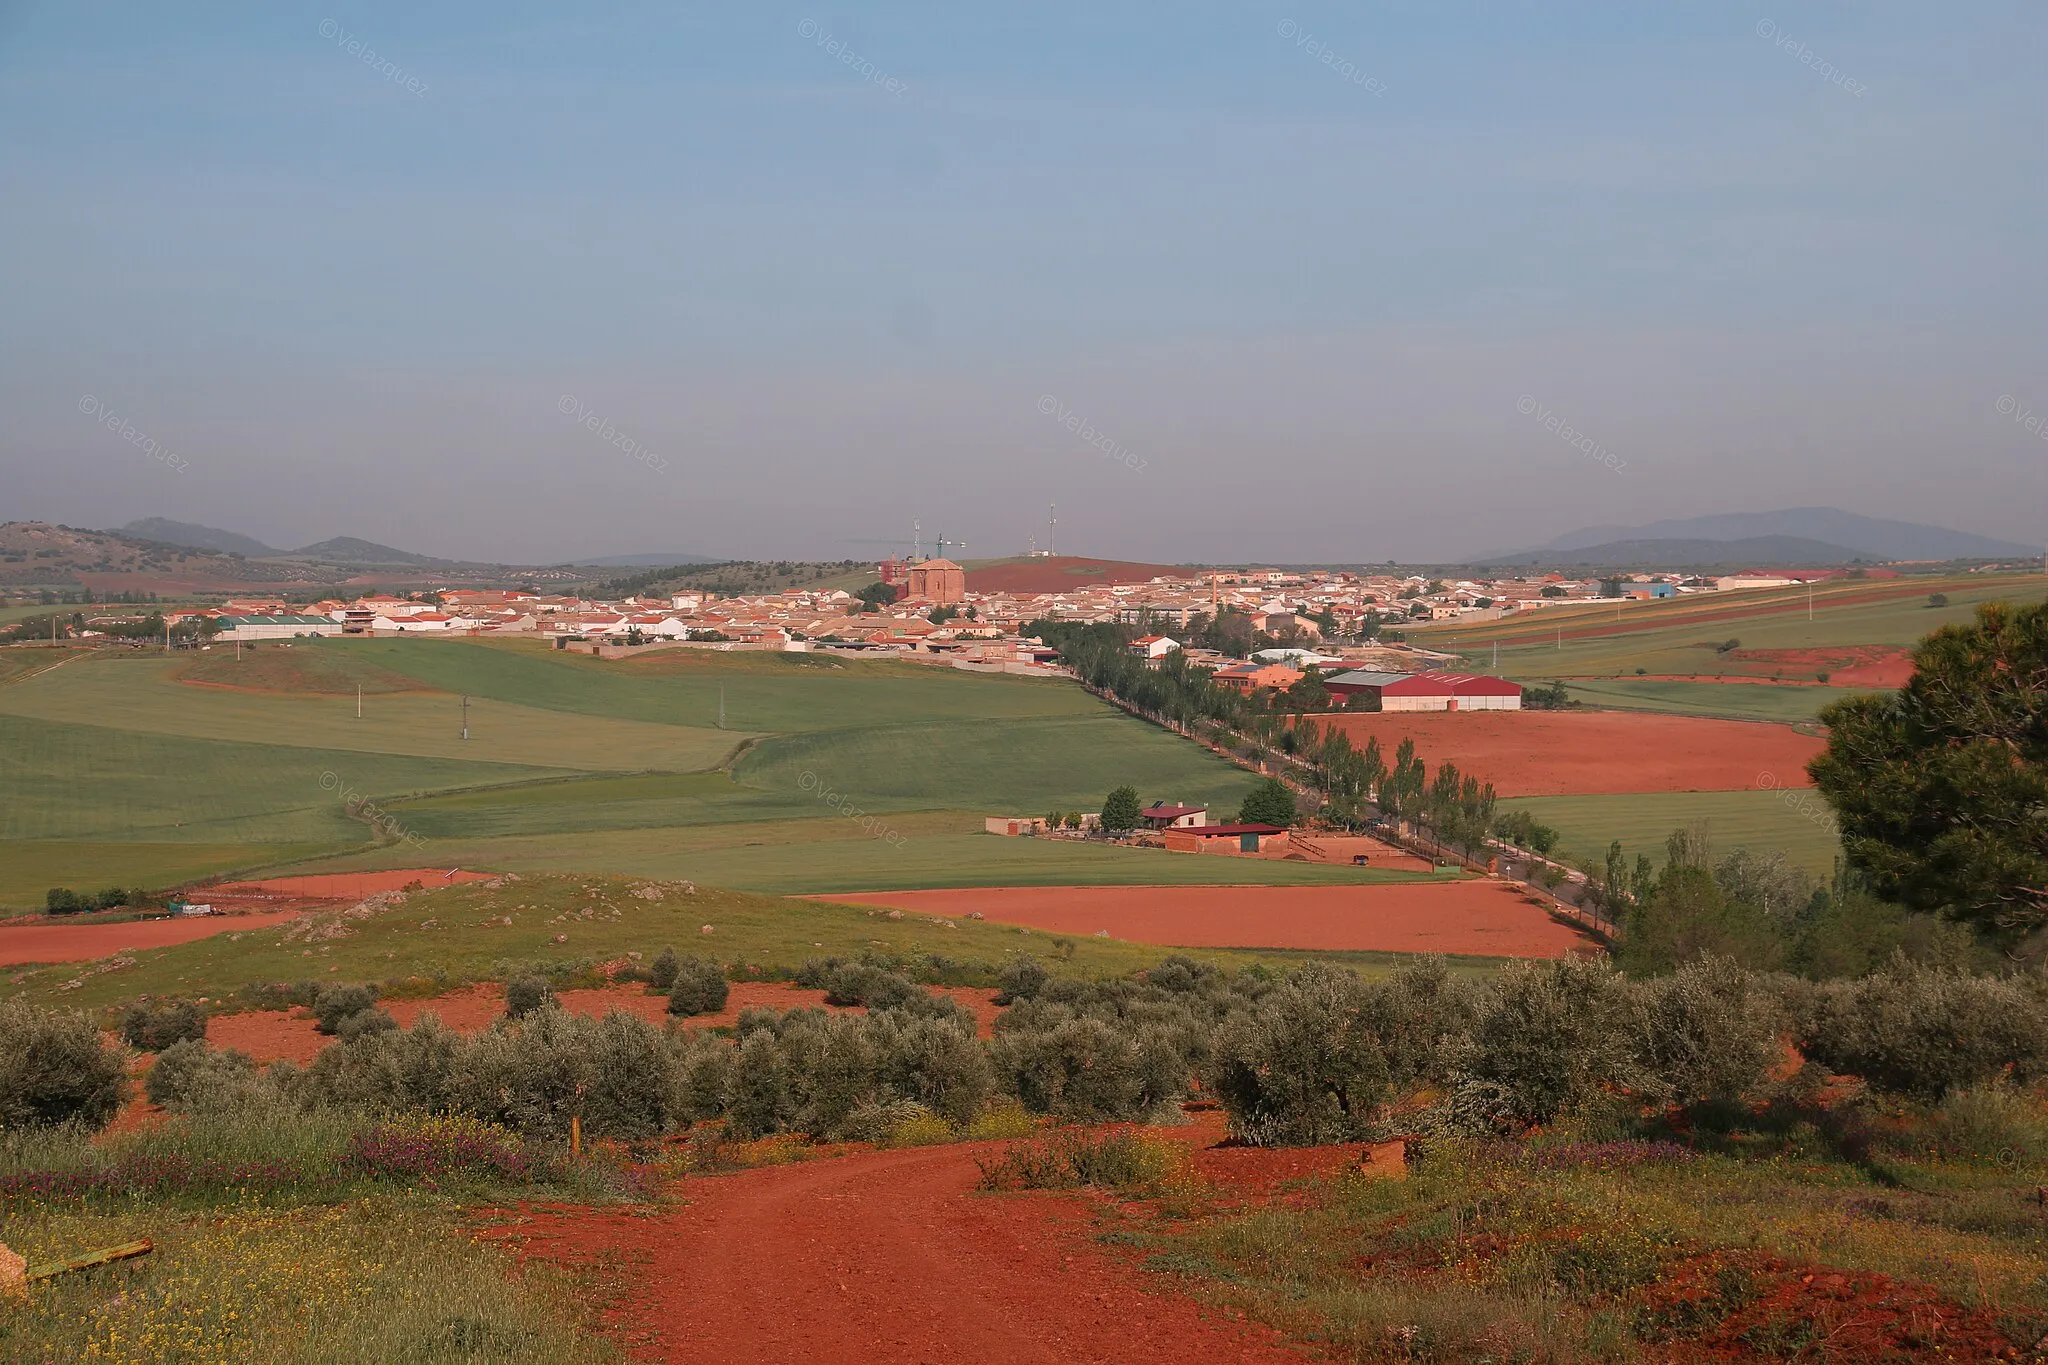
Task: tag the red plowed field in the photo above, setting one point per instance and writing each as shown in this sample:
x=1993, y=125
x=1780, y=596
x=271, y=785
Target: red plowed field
x=344, y=885
x=83, y=942
x=1591, y=753
x=882, y=1257
x=1473, y=918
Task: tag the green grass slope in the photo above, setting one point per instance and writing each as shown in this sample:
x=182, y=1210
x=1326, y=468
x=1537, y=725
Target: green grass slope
x=1796, y=822
x=441, y=937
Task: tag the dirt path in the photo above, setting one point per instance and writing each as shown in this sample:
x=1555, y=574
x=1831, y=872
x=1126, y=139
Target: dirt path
x=882, y=1256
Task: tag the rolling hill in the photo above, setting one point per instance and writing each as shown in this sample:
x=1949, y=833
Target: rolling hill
x=1866, y=537
x=1676, y=553
x=193, y=536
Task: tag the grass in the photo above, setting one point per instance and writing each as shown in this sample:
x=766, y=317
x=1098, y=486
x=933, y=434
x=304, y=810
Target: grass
x=572, y=763
x=437, y=939
x=1734, y=700
x=813, y=857
x=31, y=867
x=763, y=692
x=379, y=1280
x=1676, y=636
x=1487, y=1253
x=140, y=693
x=1797, y=822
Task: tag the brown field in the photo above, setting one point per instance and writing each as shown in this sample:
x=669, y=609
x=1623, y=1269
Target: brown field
x=1592, y=753
x=1466, y=918
x=26, y=943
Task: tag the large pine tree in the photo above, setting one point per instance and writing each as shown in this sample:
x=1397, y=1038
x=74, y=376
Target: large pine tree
x=1941, y=789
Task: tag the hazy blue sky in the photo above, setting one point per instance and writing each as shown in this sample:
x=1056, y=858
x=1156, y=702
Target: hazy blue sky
x=1764, y=257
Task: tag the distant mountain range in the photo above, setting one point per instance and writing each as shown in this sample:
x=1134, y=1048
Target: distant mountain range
x=1685, y=553
x=1799, y=535
x=339, y=550
x=196, y=537
x=644, y=561
x=348, y=549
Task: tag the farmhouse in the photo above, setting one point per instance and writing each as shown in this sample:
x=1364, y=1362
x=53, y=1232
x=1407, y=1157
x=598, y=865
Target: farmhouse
x=275, y=627
x=1159, y=815
x=1249, y=678
x=1428, y=691
x=1226, y=839
x=1153, y=647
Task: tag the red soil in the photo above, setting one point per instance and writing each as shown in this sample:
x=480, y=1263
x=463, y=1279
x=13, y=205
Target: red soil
x=339, y=886
x=289, y=1035
x=21, y=944
x=1063, y=572
x=1480, y=917
x=1845, y=665
x=881, y=1256
x=1591, y=753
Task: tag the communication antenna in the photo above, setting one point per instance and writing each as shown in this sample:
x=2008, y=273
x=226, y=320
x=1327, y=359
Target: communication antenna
x=1052, y=528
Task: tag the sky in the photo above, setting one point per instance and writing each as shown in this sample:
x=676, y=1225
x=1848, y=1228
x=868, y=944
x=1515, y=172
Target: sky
x=1227, y=282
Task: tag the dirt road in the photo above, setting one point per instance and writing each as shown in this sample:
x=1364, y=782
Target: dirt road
x=883, y=1256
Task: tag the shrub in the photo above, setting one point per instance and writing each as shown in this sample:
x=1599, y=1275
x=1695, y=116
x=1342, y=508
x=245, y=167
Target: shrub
x=190, y=1077
x=525, y=994
x=152, y=1026
x=535, y=1074
x=1926, y=1030
x=1412, y=1012
x=363, y=1023
x=1079, y=1068
x=662, y=971
x=1120, y=1160
x=1992, y=1122
x=1547, y=1034
x=1303, y=1068
x=1707, y=1033
x=56, y=1069
x=861, y=983
x=1003, y=1118
x=442, y=1147
x=389, y=1070
x=1021, y=979
x=699, y=988
x=336, y=1003
x=760, y=1097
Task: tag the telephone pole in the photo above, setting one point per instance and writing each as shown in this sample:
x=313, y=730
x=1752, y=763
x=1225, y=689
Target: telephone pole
x=465, y=715
x=359, y=701
x=721, y=706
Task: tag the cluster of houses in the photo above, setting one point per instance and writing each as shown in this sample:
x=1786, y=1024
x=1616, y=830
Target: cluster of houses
x=936, y=617
x=1182, y=829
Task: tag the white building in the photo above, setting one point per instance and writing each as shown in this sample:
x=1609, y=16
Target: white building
x=275, y=627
